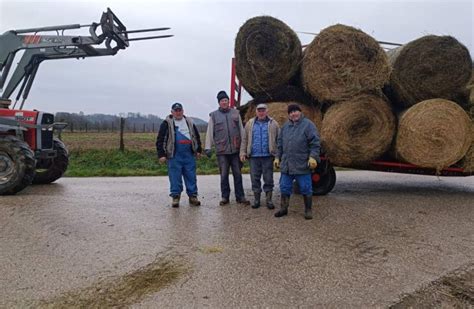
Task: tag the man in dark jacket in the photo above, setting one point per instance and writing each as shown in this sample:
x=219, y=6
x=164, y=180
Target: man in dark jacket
x=298, y=152
x=178, y=143
x=225, y=131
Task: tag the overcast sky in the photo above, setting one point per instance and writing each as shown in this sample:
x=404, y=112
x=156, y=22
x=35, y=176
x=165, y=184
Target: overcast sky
x=194, y=65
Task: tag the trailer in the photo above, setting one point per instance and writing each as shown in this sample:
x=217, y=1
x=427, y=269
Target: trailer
x=324, y=176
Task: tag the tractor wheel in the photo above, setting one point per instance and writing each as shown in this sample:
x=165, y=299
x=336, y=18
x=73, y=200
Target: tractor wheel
x=17, y=165
x=324, y=183
x=49, y=170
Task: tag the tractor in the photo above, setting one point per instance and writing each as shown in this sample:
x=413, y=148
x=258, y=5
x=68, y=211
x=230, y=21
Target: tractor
x=29, y=151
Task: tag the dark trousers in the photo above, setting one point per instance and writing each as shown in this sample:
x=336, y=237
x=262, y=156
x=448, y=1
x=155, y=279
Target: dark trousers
x=259, y=166
x=231, y=161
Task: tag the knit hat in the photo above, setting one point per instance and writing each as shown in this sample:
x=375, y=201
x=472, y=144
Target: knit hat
x=222, y=95
x=293, y=107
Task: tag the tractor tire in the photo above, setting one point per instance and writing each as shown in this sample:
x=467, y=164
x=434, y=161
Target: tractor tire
x=17, y=165
x=50, y=170
x=326, y=182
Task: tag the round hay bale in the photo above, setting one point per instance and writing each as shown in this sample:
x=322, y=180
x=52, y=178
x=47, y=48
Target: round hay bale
x=434, y=133
x=279, y=112
x=467, y=162
x=267, y=54
x=357, y=131
x=342, y=62
x=429, y=67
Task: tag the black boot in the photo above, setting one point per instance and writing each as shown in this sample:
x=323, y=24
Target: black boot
x=285, y=201
x=308, y=203
x=256, y=203
x=269, y=200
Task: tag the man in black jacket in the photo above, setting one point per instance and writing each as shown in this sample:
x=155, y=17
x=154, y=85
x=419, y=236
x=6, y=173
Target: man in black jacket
x=178, y=143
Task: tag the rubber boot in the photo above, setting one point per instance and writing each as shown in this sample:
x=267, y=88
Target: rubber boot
x=193, y=201
x=308, y=204
x=269, y=200
x=256, y=203
x=285, y=200
x=175, y=201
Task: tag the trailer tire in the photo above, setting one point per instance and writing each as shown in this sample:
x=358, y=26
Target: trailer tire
x=50, y=170
x=17, y=165
x=326, y=182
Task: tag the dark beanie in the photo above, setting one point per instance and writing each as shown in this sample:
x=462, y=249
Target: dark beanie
x=222, y=95
x=293, y=107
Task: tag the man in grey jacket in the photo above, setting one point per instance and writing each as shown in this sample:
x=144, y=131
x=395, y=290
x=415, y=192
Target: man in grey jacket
x=225, y=131
x=259, y=143
x=298, y=152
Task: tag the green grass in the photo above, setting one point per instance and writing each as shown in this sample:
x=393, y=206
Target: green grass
x=143, y=162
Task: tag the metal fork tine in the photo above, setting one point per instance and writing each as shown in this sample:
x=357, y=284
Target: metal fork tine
x=150, y=37
x=146, y=30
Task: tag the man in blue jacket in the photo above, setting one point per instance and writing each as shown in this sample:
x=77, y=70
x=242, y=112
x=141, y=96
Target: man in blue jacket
x=259, y=143
x=298, y=154
x=178, y=143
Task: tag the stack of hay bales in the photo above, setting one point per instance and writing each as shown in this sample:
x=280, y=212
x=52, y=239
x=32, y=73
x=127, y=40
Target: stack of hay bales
x=428, y=75
x=346, y=69
x=373, y=104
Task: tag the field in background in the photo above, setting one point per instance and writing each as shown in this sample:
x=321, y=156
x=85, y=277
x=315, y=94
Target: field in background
x=97, y=154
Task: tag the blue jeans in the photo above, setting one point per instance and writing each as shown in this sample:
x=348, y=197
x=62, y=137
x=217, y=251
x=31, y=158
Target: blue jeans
x=304, y=182
x=226, y=162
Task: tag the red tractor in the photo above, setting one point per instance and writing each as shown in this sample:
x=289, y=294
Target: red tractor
x=29, y=152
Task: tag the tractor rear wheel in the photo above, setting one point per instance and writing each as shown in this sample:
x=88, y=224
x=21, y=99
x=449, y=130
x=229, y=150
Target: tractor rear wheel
x=49, y=170
x=17, y=165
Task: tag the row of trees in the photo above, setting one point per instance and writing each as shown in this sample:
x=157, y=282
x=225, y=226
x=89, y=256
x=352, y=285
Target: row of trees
x=134, y=122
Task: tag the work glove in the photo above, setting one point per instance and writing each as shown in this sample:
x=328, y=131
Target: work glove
x=208, y=152
x=276, y=163
x=312, y=163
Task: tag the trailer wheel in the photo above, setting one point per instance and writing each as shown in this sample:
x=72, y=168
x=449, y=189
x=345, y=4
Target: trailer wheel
x=17, y=165
x=50, y=170
x=324, y=183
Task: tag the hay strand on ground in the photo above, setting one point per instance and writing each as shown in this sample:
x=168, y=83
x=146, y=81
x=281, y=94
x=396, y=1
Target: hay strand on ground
x=429, y=67
x=434, y=133
x=267, y=54
x=357, y=131
x=342, y=62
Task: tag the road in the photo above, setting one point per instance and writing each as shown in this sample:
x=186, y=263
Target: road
x=375, y=239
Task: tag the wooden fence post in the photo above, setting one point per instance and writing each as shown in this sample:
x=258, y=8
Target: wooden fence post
x=122, y=125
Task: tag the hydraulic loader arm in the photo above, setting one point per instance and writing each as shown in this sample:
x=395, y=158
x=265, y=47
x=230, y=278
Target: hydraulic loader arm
x=113, y=34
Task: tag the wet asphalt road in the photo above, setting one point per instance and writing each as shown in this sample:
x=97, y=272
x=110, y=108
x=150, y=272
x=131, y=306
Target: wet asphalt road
x=376, y=237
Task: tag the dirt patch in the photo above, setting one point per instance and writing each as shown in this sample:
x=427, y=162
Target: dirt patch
x=122, y=291
x=455, y=290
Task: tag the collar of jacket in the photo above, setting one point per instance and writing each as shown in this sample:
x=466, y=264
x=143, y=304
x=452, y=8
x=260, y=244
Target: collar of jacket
x=224, y=110
x=170, y=116
x=295, y=123
x=267, y=119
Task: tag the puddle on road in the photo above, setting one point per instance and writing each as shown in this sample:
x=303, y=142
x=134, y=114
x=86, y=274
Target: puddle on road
x=125, y=290
x=455, y=290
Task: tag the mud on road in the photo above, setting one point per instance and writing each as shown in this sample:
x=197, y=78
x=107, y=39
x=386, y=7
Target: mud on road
x=378, y=240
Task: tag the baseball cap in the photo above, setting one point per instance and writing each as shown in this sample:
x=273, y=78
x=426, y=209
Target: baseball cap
x=261, y=105
x=176, y=106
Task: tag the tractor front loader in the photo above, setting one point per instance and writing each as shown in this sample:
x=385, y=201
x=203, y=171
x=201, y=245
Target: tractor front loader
x=29, y=152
